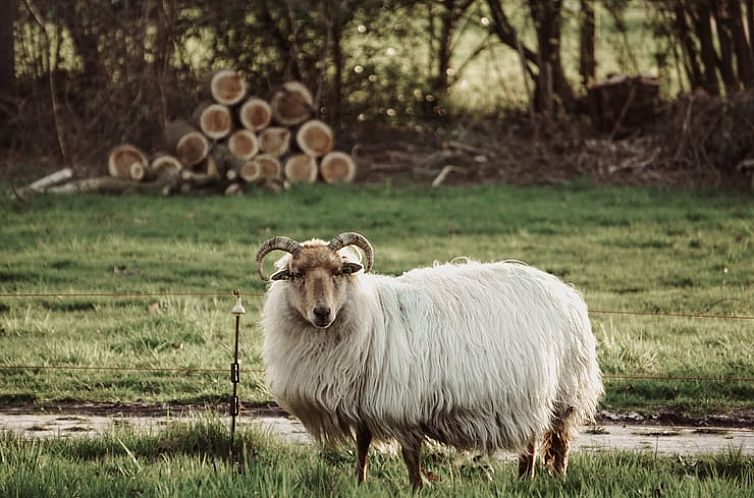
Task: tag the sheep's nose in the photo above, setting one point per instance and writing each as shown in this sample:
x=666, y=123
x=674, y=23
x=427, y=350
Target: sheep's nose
x=322, y=313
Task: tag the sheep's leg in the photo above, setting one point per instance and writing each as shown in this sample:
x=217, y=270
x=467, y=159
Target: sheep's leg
x=558, y=447
x=411, y=455
x=528, y=459
x=363, y=440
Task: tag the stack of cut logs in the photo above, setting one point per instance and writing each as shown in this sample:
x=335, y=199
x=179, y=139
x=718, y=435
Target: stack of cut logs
x=234, y=141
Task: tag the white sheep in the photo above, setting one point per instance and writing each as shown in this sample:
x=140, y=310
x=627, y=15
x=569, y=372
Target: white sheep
x=476, y=356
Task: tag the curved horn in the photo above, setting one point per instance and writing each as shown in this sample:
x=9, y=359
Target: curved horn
x=354, y=239
x=283, y=243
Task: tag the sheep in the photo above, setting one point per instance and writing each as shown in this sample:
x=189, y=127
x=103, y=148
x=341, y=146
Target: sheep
x=476, y=356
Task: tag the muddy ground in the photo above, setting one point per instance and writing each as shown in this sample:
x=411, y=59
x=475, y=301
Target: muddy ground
x=613, y=431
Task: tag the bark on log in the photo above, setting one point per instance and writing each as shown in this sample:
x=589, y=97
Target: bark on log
x=337, y=167
x=225, y=86
x=301, y=168
x=291, y=104
x=270, y=166
x=198, y=180
x=189, y=145
x=275, y=140
x=110, y=185
x=234, y=189
x=243, y=144
x=214, y=120
x=55, y=178
x=315, y=138
x=121, y=157
x=255, y=114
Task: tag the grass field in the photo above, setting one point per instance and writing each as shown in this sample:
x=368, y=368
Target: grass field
x=625, y=248
x=190, y=462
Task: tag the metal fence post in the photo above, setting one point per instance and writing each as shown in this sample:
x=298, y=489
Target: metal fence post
x=235, y=373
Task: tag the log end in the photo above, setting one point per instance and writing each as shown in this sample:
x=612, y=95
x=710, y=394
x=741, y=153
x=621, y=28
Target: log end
x=337, y=167
x=192, y=148
x=275, y=140
x=121, y=157
x=255, y=114
x=292, y=103
x=243, y=144
x=215, y=121
x=227, y=87
x=301, y=168
x=315, y=138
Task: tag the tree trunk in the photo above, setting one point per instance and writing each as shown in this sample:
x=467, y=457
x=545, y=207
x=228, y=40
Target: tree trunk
x=121, y=157
x=315, y=138
x=188, y=145
x=275, y=140
x=744, y=56
x=225, y=86
x=255, y=114
x=336, y=36
x=270, y=166
x=214, y=120
x=551, y=78
x=702, y=18
x=725, y=59
x=291, y=104
x=683, y=32
x=7, y=53
x=243, y=144
x=301, y=168
x=587, y=42
x=337, y=167
x=162, y=163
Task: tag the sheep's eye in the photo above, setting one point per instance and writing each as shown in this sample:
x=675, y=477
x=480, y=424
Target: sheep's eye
x=297, y=276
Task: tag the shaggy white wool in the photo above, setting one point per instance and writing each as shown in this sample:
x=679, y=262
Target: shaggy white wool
x=473, y=355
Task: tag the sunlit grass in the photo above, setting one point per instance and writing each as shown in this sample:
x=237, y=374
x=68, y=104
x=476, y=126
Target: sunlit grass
x=635, y=249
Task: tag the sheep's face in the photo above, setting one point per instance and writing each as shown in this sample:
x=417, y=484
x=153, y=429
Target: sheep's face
x=318, y=280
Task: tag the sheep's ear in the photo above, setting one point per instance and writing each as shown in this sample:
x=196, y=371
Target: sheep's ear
x=349, y=268
x=283, y=274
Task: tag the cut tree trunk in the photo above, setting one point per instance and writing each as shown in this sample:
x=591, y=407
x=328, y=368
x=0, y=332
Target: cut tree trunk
x=255, y=114
x=198, y=180
x=162, y=163
x=275, y=140
x=110, y=185
x=56, y=178
x=291, y=104
x=269, y=165
x=243, y=144
x=139, y=173
x=234, y=189
x=301, y=168
x=224, y=161
x=189, y=145
x=315, y=138
x=337, y=167
x=214, y=120
x=250, y=171
x=121, y=157
x=225, y=86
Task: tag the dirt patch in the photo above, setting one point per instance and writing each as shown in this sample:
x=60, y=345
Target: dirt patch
x=658, y=440
x=72, y=410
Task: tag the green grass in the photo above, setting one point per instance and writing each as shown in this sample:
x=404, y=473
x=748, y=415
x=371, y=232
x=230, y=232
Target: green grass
x=191, y=461
x=624, y=248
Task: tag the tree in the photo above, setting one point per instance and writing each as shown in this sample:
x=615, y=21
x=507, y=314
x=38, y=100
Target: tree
x=7, y=53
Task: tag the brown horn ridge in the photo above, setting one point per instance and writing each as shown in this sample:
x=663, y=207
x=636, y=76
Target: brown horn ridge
x=282, y=243
x=354, y=239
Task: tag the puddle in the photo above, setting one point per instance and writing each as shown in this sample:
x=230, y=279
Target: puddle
x=661, y=440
